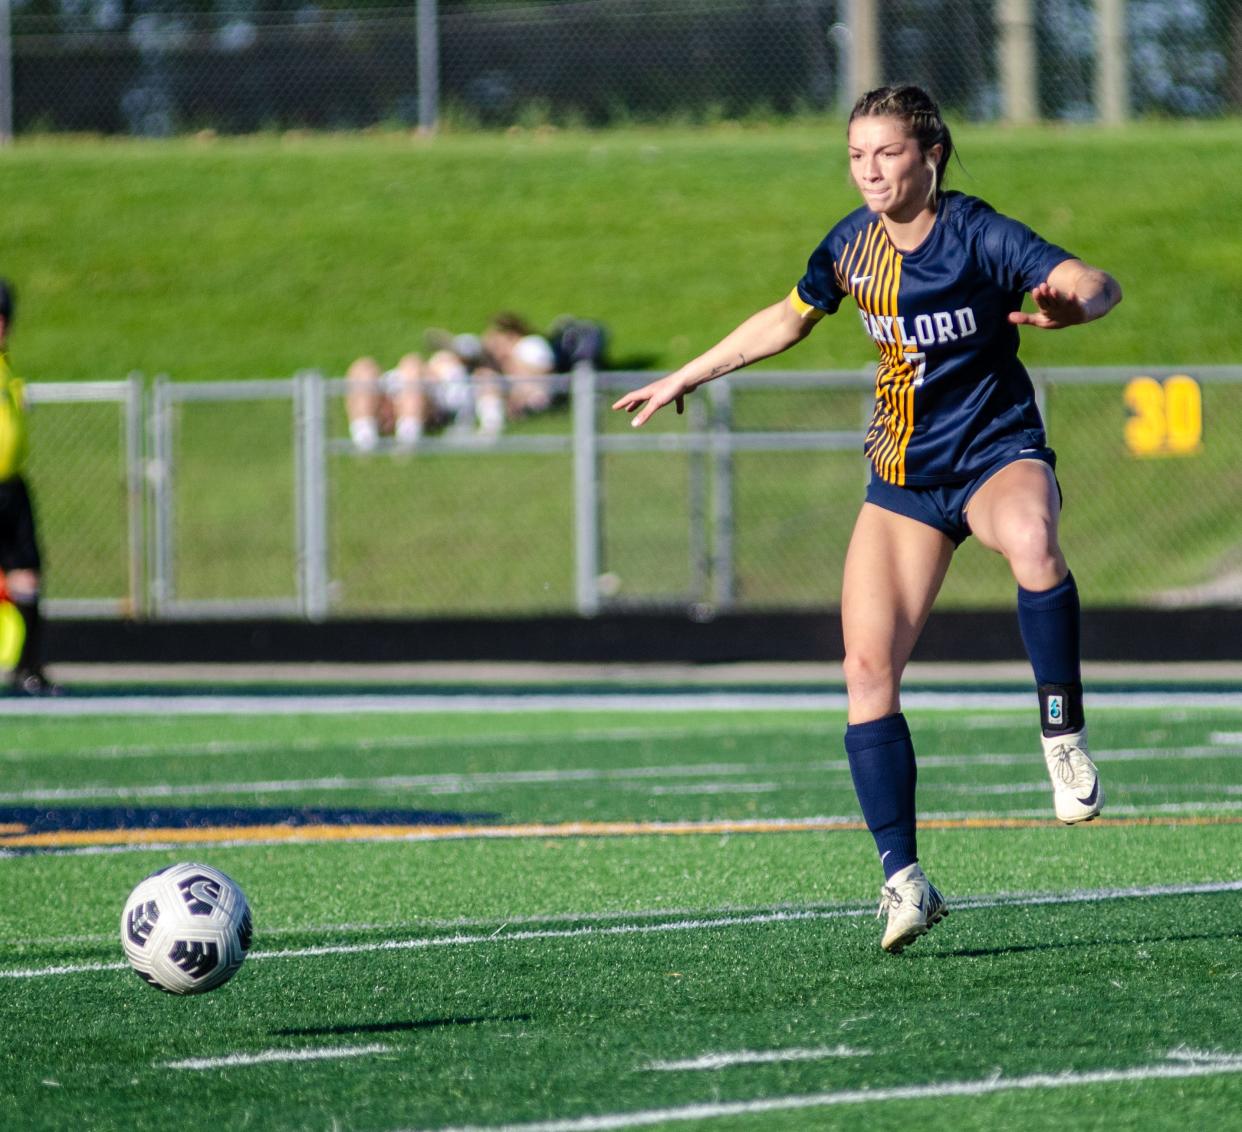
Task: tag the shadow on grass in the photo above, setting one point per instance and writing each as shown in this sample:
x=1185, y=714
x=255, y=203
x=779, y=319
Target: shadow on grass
x=1065, y=945
x=394, y=1027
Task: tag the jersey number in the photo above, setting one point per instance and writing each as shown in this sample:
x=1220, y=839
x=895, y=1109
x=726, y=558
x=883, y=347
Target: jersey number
x=919, y=361
x=1166, y=418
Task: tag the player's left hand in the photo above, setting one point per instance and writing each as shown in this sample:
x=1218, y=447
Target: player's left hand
x=1056, y=310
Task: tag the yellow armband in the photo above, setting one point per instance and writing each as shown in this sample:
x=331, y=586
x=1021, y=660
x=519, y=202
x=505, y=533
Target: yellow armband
x=805, y=310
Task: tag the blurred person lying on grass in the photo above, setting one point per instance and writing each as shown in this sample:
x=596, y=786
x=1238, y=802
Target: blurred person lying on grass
x=464, y=381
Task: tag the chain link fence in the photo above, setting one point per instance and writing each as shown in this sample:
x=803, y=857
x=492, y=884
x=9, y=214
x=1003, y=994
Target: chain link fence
x=86, y=460
x=248, y=497
x=161, y=67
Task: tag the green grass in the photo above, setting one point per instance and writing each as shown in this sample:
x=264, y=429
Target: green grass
x=256, y=257
x=495, y=1028
x=207, y=258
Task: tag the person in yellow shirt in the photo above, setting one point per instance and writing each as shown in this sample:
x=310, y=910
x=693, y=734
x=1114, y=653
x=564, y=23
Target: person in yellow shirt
x=20, y=561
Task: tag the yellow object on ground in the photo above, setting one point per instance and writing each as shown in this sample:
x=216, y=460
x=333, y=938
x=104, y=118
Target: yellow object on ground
x=12, y=634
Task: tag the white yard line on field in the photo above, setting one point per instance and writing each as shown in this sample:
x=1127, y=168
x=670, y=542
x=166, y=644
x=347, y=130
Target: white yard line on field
x=931, y=1091
x=1210, y=1056
x=310, y=745
x=437, y=785
x=480, y=703
x=831, y=907
x=460, y=922
x=270, y=1056
x=1116, y=755
x=1042, y=787
x=590, y=931
x=707, y=1061
x=428, y=784
x=1112, y=810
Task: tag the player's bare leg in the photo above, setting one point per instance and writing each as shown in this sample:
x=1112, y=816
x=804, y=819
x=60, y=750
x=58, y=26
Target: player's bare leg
x=362, y=402
x=490, y=401
x=893, y=570
x=1016, y=513
x=411, y=402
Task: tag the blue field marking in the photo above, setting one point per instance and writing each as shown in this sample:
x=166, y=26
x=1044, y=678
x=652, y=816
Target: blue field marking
x=98, y=818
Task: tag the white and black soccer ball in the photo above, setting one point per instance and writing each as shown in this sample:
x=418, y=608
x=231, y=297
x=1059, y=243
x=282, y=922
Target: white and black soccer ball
x=186, y=929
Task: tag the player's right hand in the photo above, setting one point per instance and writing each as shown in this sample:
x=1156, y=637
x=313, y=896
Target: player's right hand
x=1056, y=309
x=649, y=398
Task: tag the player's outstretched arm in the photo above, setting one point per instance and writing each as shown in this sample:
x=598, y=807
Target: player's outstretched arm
x=767, y=332
x=1074, y=293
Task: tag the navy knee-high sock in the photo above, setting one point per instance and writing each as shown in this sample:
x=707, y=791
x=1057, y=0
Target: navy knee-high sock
x=881, y=756
x=1049, y=621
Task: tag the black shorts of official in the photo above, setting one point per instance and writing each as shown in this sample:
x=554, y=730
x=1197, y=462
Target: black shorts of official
x=943, y=506
x=19, y=549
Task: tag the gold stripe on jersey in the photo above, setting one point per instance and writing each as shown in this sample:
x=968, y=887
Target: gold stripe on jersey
x=870, y=270
x=805, y=310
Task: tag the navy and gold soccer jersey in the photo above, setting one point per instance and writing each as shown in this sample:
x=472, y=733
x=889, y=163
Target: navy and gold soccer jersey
x=952, y=398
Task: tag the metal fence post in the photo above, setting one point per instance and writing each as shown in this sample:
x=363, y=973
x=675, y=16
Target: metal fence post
x=1016, y=22
x=135, y=488
x=159, y=479
x=312, y=496
x=586, y=491
x=699, y=459
x=863, y=56
x=720, y=394
x=428, y=66
x=1112, y=81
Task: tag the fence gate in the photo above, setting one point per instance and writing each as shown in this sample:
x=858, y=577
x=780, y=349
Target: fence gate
x=86, y=474
x=234, y=502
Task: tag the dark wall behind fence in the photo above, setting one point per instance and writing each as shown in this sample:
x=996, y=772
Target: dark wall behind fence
x=1108, y=635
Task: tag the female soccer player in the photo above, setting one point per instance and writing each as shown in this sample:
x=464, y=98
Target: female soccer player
x=956, y=444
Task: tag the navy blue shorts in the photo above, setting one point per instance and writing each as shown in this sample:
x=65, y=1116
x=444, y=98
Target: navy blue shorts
x=19, y=549
x=943, y=506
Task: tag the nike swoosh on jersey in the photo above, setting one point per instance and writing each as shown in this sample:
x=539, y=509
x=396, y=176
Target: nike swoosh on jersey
x=858, y=280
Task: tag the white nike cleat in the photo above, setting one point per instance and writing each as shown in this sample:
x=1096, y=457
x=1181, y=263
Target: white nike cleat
x=913, y=905
x=1076, y=792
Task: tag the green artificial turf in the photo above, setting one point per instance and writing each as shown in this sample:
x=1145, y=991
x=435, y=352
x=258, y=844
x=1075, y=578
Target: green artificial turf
x=538, y=978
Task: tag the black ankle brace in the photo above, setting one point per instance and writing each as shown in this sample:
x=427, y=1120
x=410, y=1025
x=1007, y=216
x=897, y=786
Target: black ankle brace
x=1060, y=709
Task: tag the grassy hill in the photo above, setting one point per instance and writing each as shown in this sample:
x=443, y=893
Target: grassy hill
x=208, y=258
x=211, y=257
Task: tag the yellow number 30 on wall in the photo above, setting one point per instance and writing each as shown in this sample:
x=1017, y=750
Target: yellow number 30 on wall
x=1166, y=417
